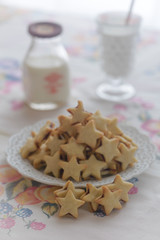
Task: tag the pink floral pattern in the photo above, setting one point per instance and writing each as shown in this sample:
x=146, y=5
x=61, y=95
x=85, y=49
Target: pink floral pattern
x=142, y=103
x=152, y=126
x=8, y=87
x=36, y=225
x=54, y=82
x=7, y=223
x=120, y=106
x=133, y=190
x=27, y=197
x=8, y=174
x=119, y=116
x=79, y=80
x=17, y=196
x=1, y=190
x=16, y=105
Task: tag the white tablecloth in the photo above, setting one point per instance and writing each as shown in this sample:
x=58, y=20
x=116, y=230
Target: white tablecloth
x=139, y=218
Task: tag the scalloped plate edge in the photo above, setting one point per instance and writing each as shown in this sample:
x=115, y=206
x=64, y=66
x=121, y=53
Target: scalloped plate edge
x=40, y=177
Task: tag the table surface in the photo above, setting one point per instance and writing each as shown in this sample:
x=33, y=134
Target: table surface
x=25, y=215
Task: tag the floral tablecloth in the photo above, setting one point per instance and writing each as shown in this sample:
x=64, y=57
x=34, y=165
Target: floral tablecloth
x=27, y=209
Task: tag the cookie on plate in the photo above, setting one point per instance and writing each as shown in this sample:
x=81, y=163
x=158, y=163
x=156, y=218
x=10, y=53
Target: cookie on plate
x=52, y=164
x=37, y=158
x=93, y=168
x=29, y=148
x=127, y=156
x=109, y=148
x=66, y=125
x=100, y=121
x=44, y=133
x=112, y=126
x=53, y=143
x=79, y=115
x=88, y=134
x=72, y=169
x=72, y=148
x=90, y=146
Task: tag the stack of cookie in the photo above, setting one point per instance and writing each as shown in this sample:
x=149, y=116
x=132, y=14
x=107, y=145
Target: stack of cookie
x=84, y=146
x=109, y=197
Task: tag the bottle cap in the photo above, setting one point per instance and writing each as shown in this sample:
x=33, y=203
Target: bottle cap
x=45, y=29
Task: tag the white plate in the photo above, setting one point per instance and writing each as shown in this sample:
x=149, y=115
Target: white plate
x=145, y=155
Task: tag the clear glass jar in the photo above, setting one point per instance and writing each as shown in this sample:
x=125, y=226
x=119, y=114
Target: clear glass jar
x=46, y=74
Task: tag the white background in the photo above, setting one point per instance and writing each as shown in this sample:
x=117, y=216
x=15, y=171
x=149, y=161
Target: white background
x=148, y=9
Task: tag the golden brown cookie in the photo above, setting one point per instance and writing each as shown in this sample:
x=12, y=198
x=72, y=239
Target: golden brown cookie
x=110, y=200
x=124, y=141
x=129, y=140
x=66, y=125
x=53, y=143
x=100, y=121
x=29, y=148
x=92, y=193
x=93, y=168
x=44, y=133
x=127, y=156
x=108, y=134
x=52, y=165
x=89, y=145
x=33, y=134
x=114, y=167
x=105, y=172
x=78, y=192
x=72, y=169
x=69, y=204
x=78, y=114
x=120, y=184
x=112, y=126
x=88, y=134
x=37, y=158
x=109, y=148
x=72, y=148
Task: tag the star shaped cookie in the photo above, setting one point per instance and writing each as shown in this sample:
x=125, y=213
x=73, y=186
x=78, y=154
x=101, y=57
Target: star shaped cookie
x=124, y=141
x=88, y=134
x=78, y=113
x=112, y=126
x=127, y=156
x=69, y=204
x=72, y=169
x=37, y=158
x=52, y=164
x=72, y=148
x=108, y=134
x=123, y=185
x=129, y=140
x=100, y=121
x=109, y=148
x=92, y=193
x=53, y=143
x=93, y=168
x=78, y=192
x=110, y=200
x=29, y=147
x=44, y=132
x=66, y=125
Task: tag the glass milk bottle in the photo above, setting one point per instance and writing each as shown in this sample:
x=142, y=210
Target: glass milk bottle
x=46, y=75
